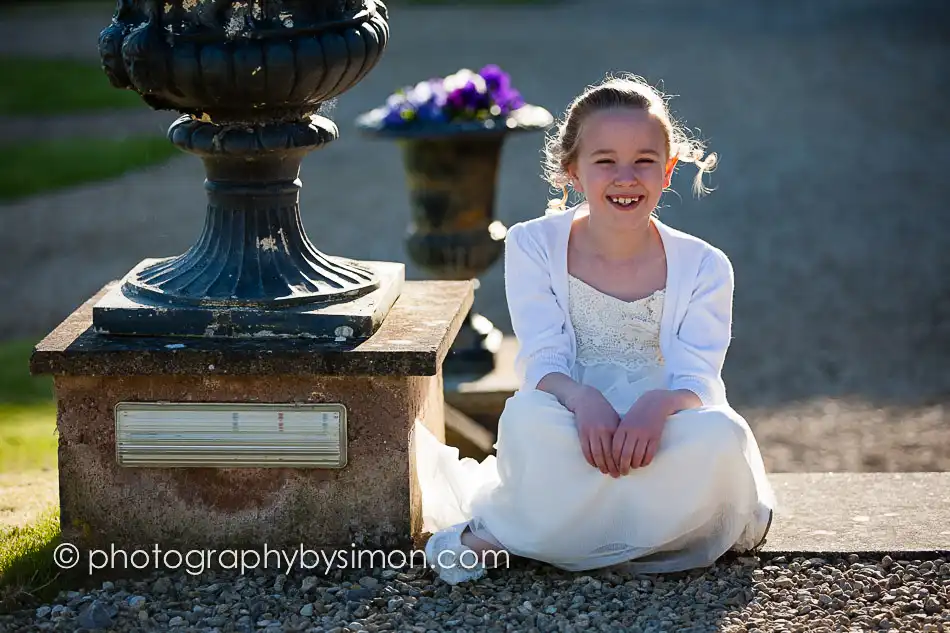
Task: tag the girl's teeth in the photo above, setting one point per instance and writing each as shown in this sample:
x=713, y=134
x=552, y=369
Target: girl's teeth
x=625, y=201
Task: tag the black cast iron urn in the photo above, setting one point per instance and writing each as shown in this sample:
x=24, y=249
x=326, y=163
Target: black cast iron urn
x=249, y=78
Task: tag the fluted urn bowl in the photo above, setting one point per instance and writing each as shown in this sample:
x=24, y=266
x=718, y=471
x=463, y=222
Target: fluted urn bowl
x=240, y=61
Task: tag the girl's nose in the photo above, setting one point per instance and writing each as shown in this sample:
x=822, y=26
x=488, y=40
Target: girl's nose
x=626, y=175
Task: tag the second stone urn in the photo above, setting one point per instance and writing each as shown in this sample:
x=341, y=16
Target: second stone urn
x=249, y=78
x=451, y=132
x=454, y=233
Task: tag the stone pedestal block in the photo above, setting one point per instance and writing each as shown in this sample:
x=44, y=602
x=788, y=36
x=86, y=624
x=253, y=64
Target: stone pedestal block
x=386, y=383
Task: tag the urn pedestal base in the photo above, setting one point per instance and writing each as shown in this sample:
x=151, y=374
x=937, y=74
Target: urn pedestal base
x=121, y=314
x=386, y=385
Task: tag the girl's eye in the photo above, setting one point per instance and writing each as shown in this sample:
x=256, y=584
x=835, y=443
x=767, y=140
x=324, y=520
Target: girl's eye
x=607, y=161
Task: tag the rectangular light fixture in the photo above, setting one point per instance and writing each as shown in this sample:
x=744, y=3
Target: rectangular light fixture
x=230, y=435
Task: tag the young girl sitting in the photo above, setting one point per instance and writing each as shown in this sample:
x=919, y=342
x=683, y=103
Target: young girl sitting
x=620, y=446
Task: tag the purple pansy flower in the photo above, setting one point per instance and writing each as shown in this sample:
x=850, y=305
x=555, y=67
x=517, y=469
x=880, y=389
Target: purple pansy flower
x=461, y=96
x=470, y=98
x=499, y=86
x=495, y=78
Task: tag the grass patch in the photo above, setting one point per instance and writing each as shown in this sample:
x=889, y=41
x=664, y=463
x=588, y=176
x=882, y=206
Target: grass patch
x=27, y=412
x=17, y=384
x=28, y=443
x=27, y=571
x=28, y=439
x=31, y=86
x=30, y=168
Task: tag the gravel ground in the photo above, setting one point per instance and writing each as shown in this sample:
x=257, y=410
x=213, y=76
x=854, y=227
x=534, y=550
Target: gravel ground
x=742, y=594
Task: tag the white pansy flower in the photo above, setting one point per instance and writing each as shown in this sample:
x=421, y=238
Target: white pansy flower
x=461, y=78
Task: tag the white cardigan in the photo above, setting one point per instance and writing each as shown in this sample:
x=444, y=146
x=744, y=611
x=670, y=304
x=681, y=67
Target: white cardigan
x=695, y=330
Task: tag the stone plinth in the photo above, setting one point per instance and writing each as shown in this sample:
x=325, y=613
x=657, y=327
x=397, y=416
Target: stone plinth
x=386, y=383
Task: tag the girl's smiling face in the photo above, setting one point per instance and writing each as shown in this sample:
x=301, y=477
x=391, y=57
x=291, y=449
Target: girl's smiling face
x=621, y=164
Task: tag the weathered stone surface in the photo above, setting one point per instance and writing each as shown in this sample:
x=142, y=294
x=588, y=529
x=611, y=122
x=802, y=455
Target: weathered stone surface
x=373, y=501
x=860, y=512
x=412, y=341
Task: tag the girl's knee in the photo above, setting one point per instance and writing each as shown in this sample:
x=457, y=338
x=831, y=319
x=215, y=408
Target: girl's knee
x=535, y=397
x=714, y=426
x=536, y=404
x=727, y=425
x=530, y=409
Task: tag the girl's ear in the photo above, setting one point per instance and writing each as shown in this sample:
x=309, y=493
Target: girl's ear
x=670, y=166
x=575, y=181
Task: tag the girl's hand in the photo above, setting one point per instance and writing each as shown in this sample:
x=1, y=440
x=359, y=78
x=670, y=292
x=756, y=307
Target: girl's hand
x=596, y=422
x=638, y=435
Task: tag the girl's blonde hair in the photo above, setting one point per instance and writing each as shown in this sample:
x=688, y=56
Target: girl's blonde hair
x=626, y=91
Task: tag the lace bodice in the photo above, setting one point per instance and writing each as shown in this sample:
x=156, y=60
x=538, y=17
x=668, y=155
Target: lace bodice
x=610, y=330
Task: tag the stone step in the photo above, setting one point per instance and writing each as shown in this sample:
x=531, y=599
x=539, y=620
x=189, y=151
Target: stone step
x=893, y=513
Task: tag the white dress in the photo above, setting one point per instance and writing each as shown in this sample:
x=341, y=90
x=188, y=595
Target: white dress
x=705, y=492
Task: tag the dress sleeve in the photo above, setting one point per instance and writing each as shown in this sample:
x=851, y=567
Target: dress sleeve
x=536, y=317
x=698, y=351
